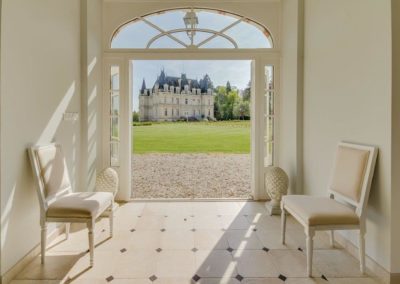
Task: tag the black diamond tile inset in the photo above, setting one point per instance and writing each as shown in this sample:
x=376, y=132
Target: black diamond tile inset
x=185, y=219
x=122, y=250
x=103, y=230
x=265, y=249
x=255, y=229
x=158, y=250
x=162, y=230
x=323, y=277
x=110, y=278
x=194, y=249
x=139, y=216
x=230, y=249
x=196, y=278
x=153, y=278
x=245, y=215
x=193, y=230
x=300, y=249
x=282, y=277
x=132, y=230
x=165, y=216
x=239, y=277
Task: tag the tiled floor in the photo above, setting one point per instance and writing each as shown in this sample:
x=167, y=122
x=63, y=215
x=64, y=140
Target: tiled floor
x=192, y=242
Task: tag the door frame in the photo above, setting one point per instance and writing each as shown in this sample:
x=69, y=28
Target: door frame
x=123, y=58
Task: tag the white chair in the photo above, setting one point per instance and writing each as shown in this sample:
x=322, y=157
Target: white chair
x=57, y=201
x=344, y=209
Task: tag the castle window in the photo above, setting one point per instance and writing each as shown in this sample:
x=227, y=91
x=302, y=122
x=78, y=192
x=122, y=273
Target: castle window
x=194, y=112
x=177, y=101
x=166, y=112
x=186, y=101
x=177, y=111
x=172, y=112
x=209, y=113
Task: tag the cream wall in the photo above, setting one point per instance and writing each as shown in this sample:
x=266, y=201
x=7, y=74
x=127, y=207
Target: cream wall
x=91, y=81
x=40, y=75
x=291, y=93
x=118, y=12
x=395, y=236
x=347, y=96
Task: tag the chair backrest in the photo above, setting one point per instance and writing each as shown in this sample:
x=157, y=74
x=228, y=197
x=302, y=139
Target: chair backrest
x=51, y=172
x=352, y=174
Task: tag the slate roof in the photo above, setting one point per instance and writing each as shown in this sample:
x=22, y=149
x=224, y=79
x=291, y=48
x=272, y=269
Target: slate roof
x=204, y=84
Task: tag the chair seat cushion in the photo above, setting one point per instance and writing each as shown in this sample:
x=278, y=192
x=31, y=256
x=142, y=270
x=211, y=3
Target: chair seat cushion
x=316, y=211
x=80, y=205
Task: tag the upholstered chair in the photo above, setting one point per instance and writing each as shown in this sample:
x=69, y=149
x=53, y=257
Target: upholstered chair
x=58, y=202
x=345, y=207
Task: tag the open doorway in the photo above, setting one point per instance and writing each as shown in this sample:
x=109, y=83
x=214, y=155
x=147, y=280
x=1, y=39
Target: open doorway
x=191, y=129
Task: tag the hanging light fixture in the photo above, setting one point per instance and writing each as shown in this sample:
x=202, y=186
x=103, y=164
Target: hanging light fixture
x=191, y=21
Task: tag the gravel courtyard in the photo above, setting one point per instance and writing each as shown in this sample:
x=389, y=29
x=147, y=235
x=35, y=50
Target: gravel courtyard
x=191, y=176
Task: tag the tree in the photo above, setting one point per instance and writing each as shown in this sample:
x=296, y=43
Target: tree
x=228, y=87
x=135, y=116
x=224, y=103
x=219, y=101
x=230, y=101
x=247, y=92
x=241, y=109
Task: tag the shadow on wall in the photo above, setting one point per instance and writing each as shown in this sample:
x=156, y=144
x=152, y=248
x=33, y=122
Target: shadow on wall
x=91, y=128
x=20, y=209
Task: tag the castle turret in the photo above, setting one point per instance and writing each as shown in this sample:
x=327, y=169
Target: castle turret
x=143, y=88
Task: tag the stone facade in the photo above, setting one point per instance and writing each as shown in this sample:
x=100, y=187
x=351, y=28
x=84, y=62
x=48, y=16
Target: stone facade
x=173, y=98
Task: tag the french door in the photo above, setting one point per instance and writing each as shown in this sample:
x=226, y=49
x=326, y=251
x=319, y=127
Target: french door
x=117, y=132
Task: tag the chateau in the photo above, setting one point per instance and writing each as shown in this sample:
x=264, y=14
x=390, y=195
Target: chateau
x=172, y=98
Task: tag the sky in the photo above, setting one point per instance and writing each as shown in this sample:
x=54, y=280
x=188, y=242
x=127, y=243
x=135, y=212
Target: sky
x=237, y=72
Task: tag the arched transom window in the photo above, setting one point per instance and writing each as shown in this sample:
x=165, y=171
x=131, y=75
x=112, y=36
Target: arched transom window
x=191, y=28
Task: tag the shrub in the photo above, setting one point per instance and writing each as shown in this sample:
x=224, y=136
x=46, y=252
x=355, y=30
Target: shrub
x=145, y=123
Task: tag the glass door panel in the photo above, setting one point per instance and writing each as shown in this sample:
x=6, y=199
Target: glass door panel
x=269, y=114
x=114, y=116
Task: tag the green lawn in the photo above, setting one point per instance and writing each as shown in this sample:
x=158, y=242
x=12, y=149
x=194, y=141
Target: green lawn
x=192, y=137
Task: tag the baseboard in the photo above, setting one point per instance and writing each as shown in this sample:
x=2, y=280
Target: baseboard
x=378, y=271
x=23, y=262
x=394, y=278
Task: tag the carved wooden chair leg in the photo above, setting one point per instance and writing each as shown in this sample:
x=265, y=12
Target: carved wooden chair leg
x=310, y=246
x=91, y=240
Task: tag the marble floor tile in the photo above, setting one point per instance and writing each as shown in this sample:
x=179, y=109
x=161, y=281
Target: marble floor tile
x=175, y=264
x=292, y=263
x=177, y=239
x=192, y=242
x=243, y=239
x=210, y=240
x=255, y=263
x=232, y=222
x=135, y=264
x=207, y=222
x=216, y=263
x=336, y=263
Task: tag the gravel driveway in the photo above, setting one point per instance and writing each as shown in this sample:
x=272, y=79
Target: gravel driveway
x=191, y=176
